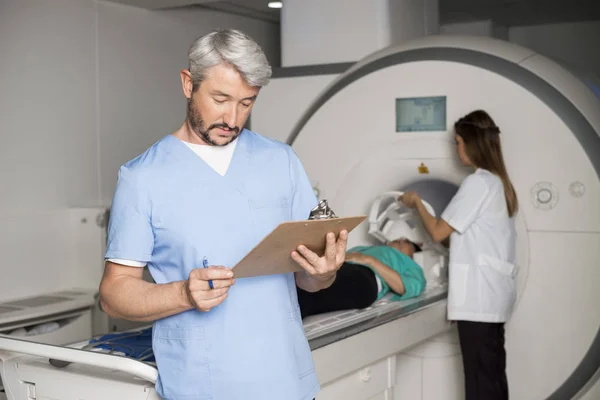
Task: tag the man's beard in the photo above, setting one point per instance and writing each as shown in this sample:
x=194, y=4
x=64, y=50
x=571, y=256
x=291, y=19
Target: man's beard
x=197, y=124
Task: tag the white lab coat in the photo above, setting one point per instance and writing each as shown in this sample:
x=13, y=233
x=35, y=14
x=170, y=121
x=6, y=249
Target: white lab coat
x=482, y=268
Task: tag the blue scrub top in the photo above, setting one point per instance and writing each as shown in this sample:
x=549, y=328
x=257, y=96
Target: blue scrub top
x=171, y=209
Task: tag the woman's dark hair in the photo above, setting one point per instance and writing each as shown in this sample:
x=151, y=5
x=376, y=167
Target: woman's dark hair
x=482, y=145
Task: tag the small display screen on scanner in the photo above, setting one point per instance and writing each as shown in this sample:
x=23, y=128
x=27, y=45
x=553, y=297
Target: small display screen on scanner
x=422, y=114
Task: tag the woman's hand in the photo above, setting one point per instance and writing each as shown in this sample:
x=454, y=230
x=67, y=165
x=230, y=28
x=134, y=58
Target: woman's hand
x=438, y=229
x=410, y=199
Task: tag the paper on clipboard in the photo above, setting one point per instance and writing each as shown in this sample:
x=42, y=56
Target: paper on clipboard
x=273, y=254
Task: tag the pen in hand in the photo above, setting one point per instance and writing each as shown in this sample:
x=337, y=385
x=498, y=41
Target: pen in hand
x=205, y=265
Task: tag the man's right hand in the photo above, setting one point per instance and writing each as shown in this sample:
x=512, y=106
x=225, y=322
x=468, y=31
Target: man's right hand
x=198, y=290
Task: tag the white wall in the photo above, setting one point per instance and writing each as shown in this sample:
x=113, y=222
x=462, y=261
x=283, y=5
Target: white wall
x=85, y=86
x=574, y=43
x=47, y=105
x=313, y=31
x=483, y=28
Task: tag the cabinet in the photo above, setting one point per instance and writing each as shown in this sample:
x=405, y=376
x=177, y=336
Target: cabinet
x=364, y=366
x=385, y=395
x=371, y=382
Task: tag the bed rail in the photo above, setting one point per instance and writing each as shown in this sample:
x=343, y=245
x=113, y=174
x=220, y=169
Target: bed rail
x=13, y=347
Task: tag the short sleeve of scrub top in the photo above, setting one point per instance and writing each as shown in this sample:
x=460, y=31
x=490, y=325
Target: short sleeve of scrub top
x=466, y=204
x=130, y=235
x=304, y=198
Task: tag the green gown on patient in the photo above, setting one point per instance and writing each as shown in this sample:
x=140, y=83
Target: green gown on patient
x=410, y=272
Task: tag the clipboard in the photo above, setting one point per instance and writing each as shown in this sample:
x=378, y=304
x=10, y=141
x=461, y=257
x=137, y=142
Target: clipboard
x=273, y=254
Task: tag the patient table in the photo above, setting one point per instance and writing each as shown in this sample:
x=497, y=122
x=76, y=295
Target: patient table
x=121, y=365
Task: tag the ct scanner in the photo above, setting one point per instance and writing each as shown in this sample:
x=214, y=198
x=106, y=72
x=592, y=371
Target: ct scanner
x=383, y=126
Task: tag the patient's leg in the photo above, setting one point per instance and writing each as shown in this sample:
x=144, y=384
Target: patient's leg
x=354, y=287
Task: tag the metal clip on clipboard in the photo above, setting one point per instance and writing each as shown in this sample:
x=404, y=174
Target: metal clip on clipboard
x=322, y=211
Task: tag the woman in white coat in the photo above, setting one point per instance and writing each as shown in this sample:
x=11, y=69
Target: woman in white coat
x=479, y=221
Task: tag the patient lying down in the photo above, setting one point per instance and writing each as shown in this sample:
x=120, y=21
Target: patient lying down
x=368, y=274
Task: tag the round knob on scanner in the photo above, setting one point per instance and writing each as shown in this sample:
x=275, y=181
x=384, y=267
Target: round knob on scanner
x=544, y=196
x=577, y=189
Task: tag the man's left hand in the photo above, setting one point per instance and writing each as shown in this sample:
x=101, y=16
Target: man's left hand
x=323, y=269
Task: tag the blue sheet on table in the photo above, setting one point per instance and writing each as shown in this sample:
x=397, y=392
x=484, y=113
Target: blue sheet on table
x=137, y=345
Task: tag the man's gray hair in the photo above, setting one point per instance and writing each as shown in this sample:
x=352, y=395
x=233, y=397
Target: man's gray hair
x=232, y=47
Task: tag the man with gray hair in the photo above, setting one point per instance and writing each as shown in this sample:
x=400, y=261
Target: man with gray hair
x=211, y=191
